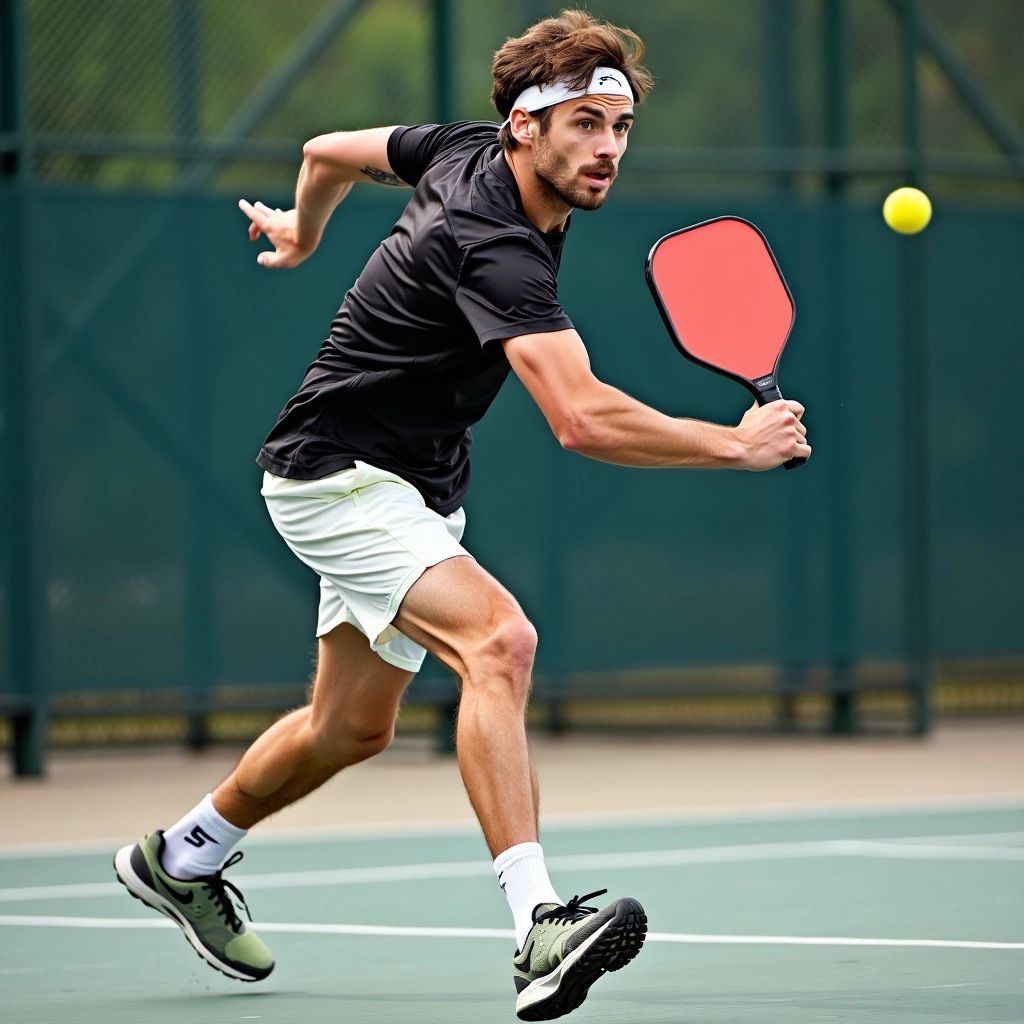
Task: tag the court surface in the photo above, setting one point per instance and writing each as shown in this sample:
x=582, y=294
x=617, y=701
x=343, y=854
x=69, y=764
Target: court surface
x=903, y=914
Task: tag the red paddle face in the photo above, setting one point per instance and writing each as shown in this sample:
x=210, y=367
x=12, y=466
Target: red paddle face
x=724, y=299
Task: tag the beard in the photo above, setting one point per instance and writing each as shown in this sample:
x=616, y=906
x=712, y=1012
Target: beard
x=561, y=180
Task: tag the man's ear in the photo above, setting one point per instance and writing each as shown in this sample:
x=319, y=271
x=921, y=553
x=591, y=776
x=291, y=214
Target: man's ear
x=521, y=126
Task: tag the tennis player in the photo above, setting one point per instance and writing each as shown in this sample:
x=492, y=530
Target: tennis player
x=367, y=468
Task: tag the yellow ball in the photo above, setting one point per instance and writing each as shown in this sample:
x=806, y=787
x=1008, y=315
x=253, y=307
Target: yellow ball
x=907, y=210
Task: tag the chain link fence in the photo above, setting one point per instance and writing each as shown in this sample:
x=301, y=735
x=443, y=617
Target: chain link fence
x=145, y=359
x=205, y=94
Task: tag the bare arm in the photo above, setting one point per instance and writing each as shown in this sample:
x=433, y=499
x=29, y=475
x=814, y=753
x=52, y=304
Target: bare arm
x=331, y=164
x=599, y=421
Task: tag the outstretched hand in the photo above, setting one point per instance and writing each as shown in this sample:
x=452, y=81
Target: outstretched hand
x=281, y=230
x=774, y=434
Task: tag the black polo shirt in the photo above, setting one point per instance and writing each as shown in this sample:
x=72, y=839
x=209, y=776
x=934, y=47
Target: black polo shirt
x=414, y=355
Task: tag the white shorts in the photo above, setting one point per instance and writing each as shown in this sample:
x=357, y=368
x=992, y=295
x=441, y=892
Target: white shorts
x=370, y=536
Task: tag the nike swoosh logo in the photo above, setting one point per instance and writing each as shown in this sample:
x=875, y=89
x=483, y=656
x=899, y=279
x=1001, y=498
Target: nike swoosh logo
x=184, y=898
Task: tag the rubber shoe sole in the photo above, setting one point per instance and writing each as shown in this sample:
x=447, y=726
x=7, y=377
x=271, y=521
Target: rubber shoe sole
x=610, y=948
x=137, y=888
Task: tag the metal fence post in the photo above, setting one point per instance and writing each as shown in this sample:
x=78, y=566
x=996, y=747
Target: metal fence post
x=195, y=395
x=444, y=56
x=780, y=103
x=780, y=98
x=28, y=709
x=917, y=521
x=835, y=73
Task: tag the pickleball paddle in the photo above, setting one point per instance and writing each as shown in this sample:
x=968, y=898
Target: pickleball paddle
x=725, y=302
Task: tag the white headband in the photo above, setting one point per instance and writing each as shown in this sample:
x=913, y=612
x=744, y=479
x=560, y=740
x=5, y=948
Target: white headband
x=604, y=82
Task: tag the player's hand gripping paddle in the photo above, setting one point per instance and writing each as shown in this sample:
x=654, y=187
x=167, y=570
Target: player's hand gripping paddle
x=725, y=302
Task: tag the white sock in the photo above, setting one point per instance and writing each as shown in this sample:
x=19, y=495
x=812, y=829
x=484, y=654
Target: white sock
x=523, y=877
x=200, y=843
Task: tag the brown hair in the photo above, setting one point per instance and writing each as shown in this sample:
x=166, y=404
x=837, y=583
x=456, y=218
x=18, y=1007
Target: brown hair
x=567, y=48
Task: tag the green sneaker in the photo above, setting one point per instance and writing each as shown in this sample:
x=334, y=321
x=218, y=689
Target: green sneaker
x=569, y=948
x=201, y=908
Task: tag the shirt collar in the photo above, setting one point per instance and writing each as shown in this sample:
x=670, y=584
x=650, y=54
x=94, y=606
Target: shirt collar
x=500, y=168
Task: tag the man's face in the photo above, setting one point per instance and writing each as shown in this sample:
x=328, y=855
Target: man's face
x=577, y=157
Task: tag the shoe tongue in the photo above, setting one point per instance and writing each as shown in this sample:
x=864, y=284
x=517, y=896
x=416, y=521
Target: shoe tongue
x=542, y=908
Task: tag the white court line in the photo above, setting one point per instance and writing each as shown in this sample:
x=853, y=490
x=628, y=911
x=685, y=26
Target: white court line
x=899, y=848
x=807, y=940
x=388, y=931
x=740, y=814
x=953, y=984
x=49, y=968
x=916, y=850
x=954, y=838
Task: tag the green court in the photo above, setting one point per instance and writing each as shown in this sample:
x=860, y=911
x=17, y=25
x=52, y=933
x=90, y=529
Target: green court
x=909, y=915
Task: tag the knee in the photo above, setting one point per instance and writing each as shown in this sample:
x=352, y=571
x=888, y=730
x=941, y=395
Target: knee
x=363, y=744
x=348, y=742
x=512, y=644
x=506, y=655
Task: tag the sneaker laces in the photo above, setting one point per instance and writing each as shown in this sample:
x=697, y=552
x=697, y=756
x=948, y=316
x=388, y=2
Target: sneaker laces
x=572, y=912
x=218, y=889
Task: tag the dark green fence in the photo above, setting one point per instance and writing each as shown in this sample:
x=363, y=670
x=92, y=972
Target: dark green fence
x=153, y=565
x=145, y=354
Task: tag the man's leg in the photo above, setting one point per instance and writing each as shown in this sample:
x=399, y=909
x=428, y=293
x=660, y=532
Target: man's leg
x=351, y=717
x=462, y=615
x=466, y=618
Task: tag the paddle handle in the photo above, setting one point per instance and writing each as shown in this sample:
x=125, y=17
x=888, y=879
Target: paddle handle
x=773, y=394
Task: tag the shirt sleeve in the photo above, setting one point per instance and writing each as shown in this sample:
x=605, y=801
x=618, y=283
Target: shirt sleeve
x=412, y=150
x=507, y=288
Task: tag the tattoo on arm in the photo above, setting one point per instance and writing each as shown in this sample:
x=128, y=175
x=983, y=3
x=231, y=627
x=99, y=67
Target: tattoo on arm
x=382, y=177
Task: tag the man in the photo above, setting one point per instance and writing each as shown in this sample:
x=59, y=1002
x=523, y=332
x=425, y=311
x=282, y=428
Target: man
x=368, y=465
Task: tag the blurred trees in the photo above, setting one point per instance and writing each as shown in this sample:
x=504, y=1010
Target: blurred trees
x=115, y=85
